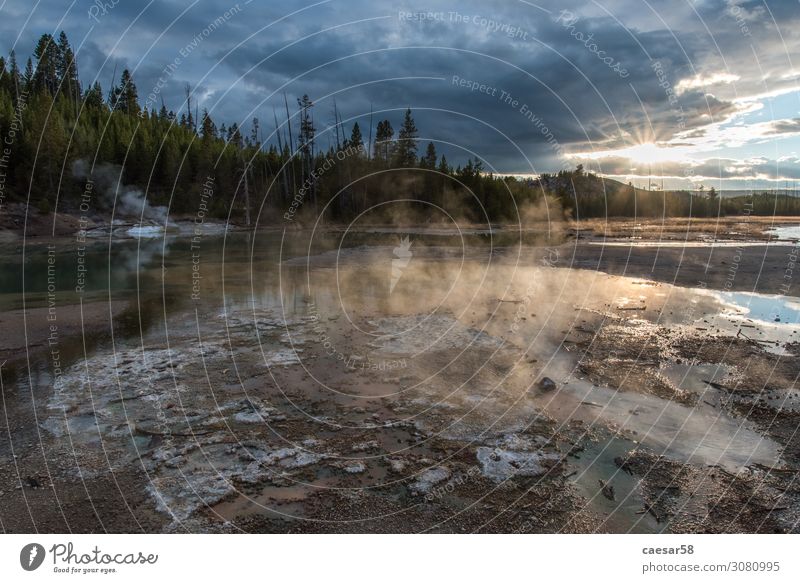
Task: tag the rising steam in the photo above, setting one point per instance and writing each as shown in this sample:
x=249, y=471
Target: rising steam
x=127, y=201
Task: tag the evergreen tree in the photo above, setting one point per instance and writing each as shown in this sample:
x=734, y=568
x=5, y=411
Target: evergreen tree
x=45, y=75
x=356, y=140
x=207, y=128
x=67, y=69
x=407, y=142
x=430, y=180
x=384, y=136
x=125, y=96
x=191, y=123
x=234, y=137
x=444, y=168
x=93, y=98
x=428, y=161
x=27, y=77
x=255, y=130
x=307, y=130
x=305, y=144
x=13, y=72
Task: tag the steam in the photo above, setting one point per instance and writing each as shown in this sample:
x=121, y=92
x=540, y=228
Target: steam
x=403, y=254
x=405, y=200
x=127, y=201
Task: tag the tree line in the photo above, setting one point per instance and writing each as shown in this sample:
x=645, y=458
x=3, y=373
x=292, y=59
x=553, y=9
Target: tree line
x=586, y=195
x=49, y=120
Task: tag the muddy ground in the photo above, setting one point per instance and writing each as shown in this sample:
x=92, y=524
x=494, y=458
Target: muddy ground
x=757, y=268
x=426, y=413
x=27, y=333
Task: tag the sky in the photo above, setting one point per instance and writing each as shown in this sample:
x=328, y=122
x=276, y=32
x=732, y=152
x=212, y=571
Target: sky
x=687, y=93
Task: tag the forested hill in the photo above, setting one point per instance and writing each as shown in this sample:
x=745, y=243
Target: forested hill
x=588, y=195
x=57, y=132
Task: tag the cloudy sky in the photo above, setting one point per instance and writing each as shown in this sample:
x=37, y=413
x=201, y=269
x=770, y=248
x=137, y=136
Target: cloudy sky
x=695, y=91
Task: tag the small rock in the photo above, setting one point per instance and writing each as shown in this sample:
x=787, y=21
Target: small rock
x=364, y=446
x=175, y=462
x=398, y=465
x=546, y=384
x=428, y=479
x=33, y=482
x=607, y=490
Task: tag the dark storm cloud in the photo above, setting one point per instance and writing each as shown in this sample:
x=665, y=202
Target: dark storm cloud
x=561, y=64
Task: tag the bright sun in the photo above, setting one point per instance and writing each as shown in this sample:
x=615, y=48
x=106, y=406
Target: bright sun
x=647, y=153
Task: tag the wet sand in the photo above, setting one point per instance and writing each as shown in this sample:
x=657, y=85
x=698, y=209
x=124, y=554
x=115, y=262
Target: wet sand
x=31, y=332
x=755, y=268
